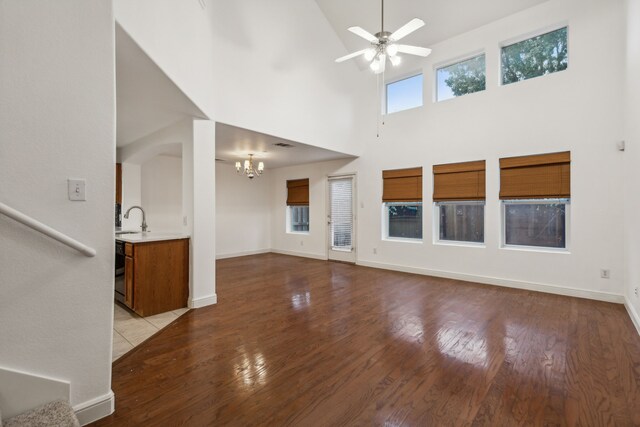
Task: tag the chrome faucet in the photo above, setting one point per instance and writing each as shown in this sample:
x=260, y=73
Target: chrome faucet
x=144, y=218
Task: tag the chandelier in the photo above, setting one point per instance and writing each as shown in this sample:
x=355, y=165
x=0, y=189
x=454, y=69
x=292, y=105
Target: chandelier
x=249, y=170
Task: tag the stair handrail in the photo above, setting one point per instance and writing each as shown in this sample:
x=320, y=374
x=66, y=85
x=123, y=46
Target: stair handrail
x=46, y=230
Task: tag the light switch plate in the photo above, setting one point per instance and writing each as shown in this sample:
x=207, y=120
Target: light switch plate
x=77, y=189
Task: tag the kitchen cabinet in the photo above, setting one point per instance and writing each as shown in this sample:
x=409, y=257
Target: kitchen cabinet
x=156, y=276
x=119, y=183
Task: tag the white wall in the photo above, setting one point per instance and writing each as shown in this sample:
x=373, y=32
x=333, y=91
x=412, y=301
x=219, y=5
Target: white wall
x=57, y=117
x=571, y=110
x=178, y=37
x=285, y=84
x=161, y=192
x=201, y=168
x=131, y=195
x=632, y=158
x=313, y=244
x=243, y=212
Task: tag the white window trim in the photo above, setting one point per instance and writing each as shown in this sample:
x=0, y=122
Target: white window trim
x=436, y=225
x=385, y=224
x=542, y=249
x=288, y=223
x=454, y=61
x=530, y=35
x=397, y=79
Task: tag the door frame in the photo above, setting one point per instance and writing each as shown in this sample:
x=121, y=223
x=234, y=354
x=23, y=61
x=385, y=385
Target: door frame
x=343, y=256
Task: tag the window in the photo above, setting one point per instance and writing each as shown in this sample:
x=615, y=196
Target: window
x=404, y=94
x=534, y=57
x=536, y=223
x=459, y=197
x=461, y=78
x=404, y=220
x=402, y=203
x=298, y=206
x=298, y=219
x=535, y=193
x=461, y=221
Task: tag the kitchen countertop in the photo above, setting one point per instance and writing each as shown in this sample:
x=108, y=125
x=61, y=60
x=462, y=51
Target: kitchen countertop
x=151, y=236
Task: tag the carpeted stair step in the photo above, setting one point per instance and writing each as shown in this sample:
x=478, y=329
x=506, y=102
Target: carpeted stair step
x=58, y=413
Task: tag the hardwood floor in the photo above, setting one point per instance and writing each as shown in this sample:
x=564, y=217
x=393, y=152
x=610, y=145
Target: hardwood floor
x=296, y=341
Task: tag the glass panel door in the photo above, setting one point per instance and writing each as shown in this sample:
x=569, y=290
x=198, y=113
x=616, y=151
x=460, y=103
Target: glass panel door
x=341, y=219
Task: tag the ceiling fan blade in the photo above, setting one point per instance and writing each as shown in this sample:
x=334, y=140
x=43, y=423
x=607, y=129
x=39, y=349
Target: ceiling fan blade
x=364, y=34
x=351, y=55
x=407, y=29
x=414, y=50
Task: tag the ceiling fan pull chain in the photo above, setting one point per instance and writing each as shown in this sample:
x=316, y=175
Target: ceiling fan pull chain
x=379, y=106
x=383, y=90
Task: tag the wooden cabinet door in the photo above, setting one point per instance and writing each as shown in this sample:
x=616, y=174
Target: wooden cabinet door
x=119, y=183
x=128, y=282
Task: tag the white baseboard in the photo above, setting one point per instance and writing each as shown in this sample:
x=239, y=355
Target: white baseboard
x=22, y=391
x=635, y=317
x=95, y=409
x=245, y=253
x=203, y=301
x=530, y=286
x=322, y=257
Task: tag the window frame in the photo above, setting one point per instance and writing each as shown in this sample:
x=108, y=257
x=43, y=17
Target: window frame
x=289, y=222
x=385, y=223
x=545, y=249
x=406, y=76
x=530, y=35
x=437, y=67
x=436, y=224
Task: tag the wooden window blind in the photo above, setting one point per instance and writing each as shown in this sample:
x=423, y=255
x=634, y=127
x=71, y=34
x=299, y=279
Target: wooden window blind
x=402, y=185
x=298, y=192
x=536, y=177
x=459, y=181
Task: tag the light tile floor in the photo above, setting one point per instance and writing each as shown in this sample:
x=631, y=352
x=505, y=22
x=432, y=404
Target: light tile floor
x=130, y=330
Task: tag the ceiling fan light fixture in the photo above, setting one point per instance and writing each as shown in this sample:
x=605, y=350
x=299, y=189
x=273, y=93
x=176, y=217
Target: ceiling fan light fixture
x=395, y=60
x=375, y=65
x=392, y=50
x=370, y=54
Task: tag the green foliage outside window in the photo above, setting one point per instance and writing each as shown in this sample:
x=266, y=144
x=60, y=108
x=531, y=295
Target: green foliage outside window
x=467, y=76
x=535, y=57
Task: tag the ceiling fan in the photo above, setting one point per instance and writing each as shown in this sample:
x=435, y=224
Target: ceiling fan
x=384, y=45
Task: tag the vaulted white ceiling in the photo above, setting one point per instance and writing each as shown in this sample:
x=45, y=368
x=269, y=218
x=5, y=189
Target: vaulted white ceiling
x=444, y=18
x=146, y=99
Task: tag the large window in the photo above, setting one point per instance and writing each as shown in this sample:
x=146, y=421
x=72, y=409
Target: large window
x=534, y=57
x=404, y=220
x=298, y=206
x=298, y=219
x=461, y=221
x=402, y=203
x=535, y=193
x=459, y=196
x=536, y=223
x=461, y=78
x=404, y=94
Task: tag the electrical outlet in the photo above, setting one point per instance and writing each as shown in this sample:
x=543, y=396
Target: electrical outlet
x=301, y=242
x=375, y=251
x=636, y=292
x=605, y=274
